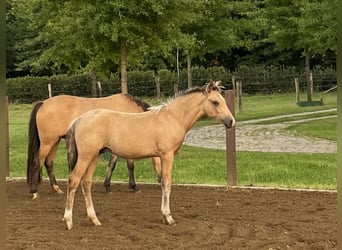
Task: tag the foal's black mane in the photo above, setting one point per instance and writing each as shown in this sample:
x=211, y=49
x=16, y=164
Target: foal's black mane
x=140, y=103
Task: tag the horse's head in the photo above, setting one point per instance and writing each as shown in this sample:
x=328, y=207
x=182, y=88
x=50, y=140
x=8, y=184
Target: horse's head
x=215, y=105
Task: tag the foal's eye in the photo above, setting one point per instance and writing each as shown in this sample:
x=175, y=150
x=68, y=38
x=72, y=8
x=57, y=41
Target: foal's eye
x=215, y=103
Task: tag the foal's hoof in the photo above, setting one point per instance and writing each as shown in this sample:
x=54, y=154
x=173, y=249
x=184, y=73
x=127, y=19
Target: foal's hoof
x=168, y=220
x=57, y=189
x=95, y=221
x=69, y=223
x=35, y=196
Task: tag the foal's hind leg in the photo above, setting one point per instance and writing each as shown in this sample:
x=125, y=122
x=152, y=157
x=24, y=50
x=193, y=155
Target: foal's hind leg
x=74, y=180
x=110, y=170
x=49, y=168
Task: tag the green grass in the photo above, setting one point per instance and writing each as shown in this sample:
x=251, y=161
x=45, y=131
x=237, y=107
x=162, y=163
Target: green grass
x=297, y=117
x=323, y=128
x=206, y=166
x=261, y=106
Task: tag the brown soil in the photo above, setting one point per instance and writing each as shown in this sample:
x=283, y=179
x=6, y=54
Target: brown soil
x=206, y=217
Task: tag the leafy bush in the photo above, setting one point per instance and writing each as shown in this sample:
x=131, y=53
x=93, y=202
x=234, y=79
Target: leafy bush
x=30, y=88
x=256, y=79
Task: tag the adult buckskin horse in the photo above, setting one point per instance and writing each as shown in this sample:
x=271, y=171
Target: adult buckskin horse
x=156, y=133
x=49, y=122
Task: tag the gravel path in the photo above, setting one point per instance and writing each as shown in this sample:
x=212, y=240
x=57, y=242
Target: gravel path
x=261, y=138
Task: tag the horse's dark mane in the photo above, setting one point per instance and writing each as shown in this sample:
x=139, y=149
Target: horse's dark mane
x=190, y=91
x=198, y=89
x=195, y=89
x=140, y=103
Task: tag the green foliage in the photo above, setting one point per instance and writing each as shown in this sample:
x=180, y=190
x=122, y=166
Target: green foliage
x=143, y=83
x=54, y=37
x=30, y=89
x=167, y=80
x=308, y=26
x=81, y=36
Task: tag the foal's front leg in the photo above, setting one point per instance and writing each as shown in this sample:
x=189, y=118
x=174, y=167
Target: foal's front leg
x=86, y=190
x=166, y=182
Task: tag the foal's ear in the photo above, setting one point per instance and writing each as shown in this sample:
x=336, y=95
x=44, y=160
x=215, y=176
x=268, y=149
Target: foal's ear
x=210, y=86
x=218, y=84
x=213, y=86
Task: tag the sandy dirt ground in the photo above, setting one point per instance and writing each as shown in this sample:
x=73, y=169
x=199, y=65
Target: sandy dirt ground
x=206, y=217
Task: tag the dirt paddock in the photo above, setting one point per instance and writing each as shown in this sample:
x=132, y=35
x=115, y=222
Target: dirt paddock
x=206, y=217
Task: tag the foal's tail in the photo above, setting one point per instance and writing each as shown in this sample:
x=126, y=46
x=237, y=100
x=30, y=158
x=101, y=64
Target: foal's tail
x=71, y=146
x=33, y=145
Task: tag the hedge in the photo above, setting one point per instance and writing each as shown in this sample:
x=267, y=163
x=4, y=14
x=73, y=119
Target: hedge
x=256, y=79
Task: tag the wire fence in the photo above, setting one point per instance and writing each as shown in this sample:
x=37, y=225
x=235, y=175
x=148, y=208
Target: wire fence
x=166, y=83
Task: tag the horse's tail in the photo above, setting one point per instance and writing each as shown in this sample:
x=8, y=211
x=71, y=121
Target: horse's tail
x=71, y=146
x=33, y=145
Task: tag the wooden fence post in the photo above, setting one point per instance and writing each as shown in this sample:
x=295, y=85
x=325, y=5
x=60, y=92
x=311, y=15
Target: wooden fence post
x=234, y=83
x=49, y=90
x=297, y=90
x=311, y=84
x=100, y=88
x=7, y=139
x=231, y=142
x=175, y=89
x=239, y=94
x=158, y=87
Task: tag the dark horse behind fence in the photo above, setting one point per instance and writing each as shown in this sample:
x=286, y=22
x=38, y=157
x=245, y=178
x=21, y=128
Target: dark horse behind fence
x=49, y=122
x=159, y=132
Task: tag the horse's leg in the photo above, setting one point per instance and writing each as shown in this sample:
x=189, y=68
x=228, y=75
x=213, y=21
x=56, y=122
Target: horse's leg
x=131, y=180
x=49, y=168
x=73, y=183
x=86, y=190
x=157, y=167
x=44, y=150
x=166, y=182
x=111, y=167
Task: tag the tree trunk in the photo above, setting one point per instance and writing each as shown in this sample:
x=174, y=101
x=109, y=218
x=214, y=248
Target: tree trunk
x=307, y=74
x=93, y=83
x=188, y=57
x=177, y=58
x=123, y=65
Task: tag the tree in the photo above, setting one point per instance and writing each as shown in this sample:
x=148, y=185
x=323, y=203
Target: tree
x=17, y=32
x=92, y=36
x=308, y=26
x=219, y=26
